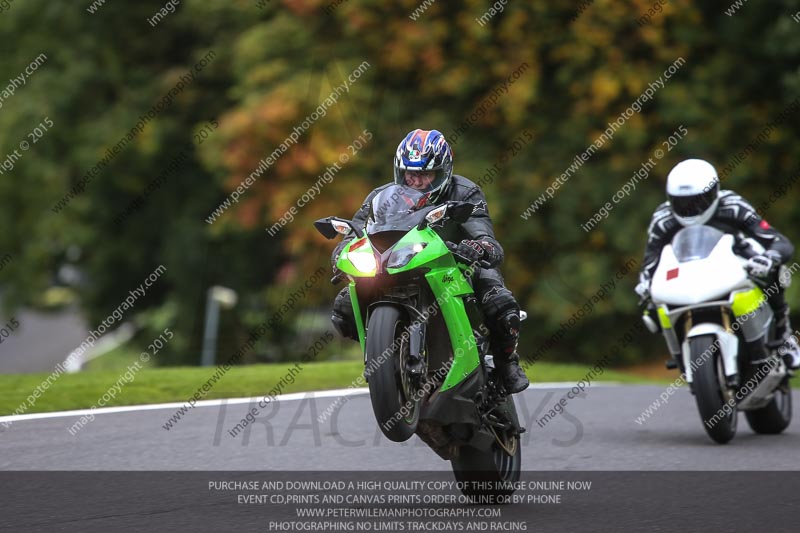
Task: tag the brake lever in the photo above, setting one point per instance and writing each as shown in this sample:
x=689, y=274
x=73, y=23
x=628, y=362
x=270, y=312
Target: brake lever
x=483, y=263
x=460, y=258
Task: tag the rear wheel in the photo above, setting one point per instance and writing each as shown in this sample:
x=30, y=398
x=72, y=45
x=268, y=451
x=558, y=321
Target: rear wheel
x=714, y=402
x=774, y=417
x=394, y=399
x=499, y=465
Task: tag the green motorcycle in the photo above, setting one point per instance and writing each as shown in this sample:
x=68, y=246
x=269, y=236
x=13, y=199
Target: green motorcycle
x=426, y=348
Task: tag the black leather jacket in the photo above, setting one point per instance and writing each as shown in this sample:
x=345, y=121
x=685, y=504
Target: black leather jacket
x=479, y=226
x=733, y=215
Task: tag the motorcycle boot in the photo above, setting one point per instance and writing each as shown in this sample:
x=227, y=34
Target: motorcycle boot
x=790, y=349
x=514, y=378
x=506, y=356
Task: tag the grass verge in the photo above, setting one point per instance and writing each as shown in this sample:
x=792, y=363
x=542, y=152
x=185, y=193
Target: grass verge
x=83, y=390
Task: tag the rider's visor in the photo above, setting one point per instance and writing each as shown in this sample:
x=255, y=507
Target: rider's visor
x=692, y=206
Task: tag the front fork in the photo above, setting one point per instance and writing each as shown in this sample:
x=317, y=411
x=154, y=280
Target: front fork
x=416, y=331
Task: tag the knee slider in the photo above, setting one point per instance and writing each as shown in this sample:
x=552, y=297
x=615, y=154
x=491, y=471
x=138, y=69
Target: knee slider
x=509, y=322
x=506, y=332
x=502, y=315
x=497, y=302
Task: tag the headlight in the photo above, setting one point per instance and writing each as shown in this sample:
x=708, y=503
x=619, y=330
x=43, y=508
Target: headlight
x=363, y=261
x=400, y=257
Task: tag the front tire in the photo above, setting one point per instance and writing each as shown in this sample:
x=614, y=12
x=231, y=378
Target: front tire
x=385, y=361
x=718, y=416
x=774, y=417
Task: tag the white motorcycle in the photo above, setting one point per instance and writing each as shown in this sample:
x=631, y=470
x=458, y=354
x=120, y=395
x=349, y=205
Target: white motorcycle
x=720, y=331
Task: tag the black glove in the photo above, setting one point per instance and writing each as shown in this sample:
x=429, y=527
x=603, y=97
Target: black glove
x=764, y=266
x=643, y=289
x=470, y=252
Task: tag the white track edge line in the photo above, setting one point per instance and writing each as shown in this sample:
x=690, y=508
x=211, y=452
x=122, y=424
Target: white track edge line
x=214, y=403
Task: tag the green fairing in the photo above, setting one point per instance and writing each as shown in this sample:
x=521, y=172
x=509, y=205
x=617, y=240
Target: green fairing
x=447, y=284
x=357, y=315
x=434, y=255
x=344, y=264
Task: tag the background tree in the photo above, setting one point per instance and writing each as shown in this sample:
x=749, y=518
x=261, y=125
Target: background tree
x=273, y=67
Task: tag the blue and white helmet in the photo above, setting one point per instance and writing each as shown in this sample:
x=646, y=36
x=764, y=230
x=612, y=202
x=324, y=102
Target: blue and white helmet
x=425, y=150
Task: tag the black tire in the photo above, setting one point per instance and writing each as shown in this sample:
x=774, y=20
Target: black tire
x=708, y=392
x=774, y=417
x=473, y=468
x=386, y=391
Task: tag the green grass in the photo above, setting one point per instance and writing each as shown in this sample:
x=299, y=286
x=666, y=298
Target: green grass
x=154, y=385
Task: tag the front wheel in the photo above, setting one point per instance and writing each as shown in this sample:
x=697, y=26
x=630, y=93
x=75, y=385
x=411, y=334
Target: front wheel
x=717, y=409
x=394, y=402
x=499, y=465
x=774, y=417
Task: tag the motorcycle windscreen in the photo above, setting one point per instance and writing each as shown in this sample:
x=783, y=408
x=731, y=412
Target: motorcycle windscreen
x=699, y=266
x=695, y=242
x=396, y=208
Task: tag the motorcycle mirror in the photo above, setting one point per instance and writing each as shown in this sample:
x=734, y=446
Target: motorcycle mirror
x=330, y=227
x=325, y=227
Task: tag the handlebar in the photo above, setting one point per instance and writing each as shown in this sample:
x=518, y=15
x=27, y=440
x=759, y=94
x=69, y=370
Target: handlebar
x=483, y=263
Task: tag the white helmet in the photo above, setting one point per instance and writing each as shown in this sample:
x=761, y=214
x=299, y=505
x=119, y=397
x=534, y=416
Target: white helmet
x=693, y=191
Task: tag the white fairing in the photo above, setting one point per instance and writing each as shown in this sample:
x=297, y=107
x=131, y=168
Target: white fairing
x=701, y=280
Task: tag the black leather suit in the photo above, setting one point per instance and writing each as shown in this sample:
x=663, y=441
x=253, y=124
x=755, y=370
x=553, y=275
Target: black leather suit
x=500, y=308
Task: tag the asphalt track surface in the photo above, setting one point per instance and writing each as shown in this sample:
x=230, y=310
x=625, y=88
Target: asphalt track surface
x=598, y=432
x=27, y=351
x=664, y=474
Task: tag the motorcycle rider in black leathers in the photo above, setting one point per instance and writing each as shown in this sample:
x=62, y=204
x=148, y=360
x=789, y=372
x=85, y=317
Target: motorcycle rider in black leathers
x=695, y=198
x=424, y=161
